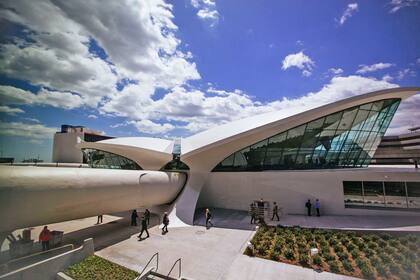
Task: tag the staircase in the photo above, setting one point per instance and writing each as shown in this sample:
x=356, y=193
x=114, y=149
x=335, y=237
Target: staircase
x=149, y=273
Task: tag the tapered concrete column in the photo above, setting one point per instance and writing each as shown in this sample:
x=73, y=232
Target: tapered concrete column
x=187, y=201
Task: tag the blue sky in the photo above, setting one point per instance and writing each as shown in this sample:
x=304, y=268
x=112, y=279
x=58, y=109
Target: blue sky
x=172, y=69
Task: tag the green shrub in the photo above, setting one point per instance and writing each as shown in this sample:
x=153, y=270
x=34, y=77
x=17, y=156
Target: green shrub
x=372, y=245
x=412, y=246
x=385, y=258
x=382, y=243
x=362, y=246
x=274, y=255
x=333, y=266
x=394, y=243
x=333, y=241
x=329, y=257
x=412, y=238
x=367, y=272
x=389, y=250
x=369, y=253
x=290, y=255
x=374, y=260
x=350, y=246
x=338, y=248
x=360, y=262
x=342, y=256
x=381, y=270
x=355, y=253
x=304, y=260
x=323, y=243
x=348, y=266
x=398, y=257
x=317, y=260
x=408, y=266
x=386, y=236
x=314, y=244
x=394, y=268
x=95, y=267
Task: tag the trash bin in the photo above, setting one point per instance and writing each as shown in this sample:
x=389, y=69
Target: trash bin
x=20, y=248
x=56, y=238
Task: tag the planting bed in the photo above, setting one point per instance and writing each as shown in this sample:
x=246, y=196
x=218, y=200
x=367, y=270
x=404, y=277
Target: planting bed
x=364, y=255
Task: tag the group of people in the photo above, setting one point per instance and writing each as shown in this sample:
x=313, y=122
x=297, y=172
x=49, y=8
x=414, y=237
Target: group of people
x=145, y=222
x=257, y=212
x=308, y=206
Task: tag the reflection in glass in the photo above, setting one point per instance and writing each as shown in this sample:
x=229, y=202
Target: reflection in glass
x=353, y=193
x=395, y=194
x=102, y=159
x=340, y=140
x=413, y=194
x=373, y=193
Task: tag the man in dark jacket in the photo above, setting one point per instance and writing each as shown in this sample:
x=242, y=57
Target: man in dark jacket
x=165, y=223
x=134, y=217
x=143, y=227
x=147, y=216
x=308, y=205
x=275, y=211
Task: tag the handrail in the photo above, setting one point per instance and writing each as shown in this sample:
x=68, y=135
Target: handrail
x=179, y=269
x=157, y=263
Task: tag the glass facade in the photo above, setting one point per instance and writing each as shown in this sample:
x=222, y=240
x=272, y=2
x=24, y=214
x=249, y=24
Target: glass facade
x=341, y=140
x=384, y=195
x=101, y=159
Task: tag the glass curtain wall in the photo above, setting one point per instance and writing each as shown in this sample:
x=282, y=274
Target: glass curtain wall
x=378, y=194
x=341, y=140
x=101, y=159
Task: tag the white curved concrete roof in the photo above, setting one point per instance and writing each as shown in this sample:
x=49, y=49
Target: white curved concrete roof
x=155, y=144
x=225, y=133
x=149, y=153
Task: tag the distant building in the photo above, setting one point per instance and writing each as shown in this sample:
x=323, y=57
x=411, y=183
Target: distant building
x=7, y=160
x=399, y=150
x=64, y=147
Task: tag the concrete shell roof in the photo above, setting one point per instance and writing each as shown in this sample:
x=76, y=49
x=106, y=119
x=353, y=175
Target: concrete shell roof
x=149, y=153
x=226, y=133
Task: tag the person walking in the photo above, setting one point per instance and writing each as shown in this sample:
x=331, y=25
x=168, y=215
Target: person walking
x=208, y=218
x=147, y=215
x=100, y=219
x=308, y=206
x=275, y=211
x=143, y=227
x=165, y=223
x=253, y=212
x=317, y=207
x=134, y=217
x=44, y=238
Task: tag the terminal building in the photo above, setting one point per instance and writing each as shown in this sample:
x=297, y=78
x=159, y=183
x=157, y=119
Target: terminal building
x=65, y=140
x=284, y=156
x=403, y=149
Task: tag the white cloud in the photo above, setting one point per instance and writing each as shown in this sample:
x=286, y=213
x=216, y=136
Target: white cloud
x=299, y=60
x=25, y=130
x=348, y=13
x=66, y=100
x=10, y=110
x=372, y=68
x=396, y=5
x=138, y=38
x=387, y=78
x=194, y=110
x=402, y=74
x=418, y=61
x=92, y=117
x=206, y=11
x=149, y=127
x=335, y=71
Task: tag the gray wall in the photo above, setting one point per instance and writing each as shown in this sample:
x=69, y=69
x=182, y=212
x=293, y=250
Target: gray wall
x=291, y=189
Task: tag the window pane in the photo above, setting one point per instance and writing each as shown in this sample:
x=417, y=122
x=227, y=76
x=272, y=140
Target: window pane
x=347, y=119
x=274, y=151
x=374, y=193
x=256, y=155
x=395, y=194
x=240, y=162
x=332, y=121
x=102, y=159
x=413, y=194
x=353, y=195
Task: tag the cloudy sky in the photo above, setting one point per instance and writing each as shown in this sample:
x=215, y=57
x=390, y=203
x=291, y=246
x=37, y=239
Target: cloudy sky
x=172, y=69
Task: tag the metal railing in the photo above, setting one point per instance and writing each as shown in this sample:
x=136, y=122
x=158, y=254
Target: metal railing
x=179, y=268
x=157, y=264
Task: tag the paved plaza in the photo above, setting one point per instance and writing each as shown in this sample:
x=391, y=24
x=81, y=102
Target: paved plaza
x=215, y=253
